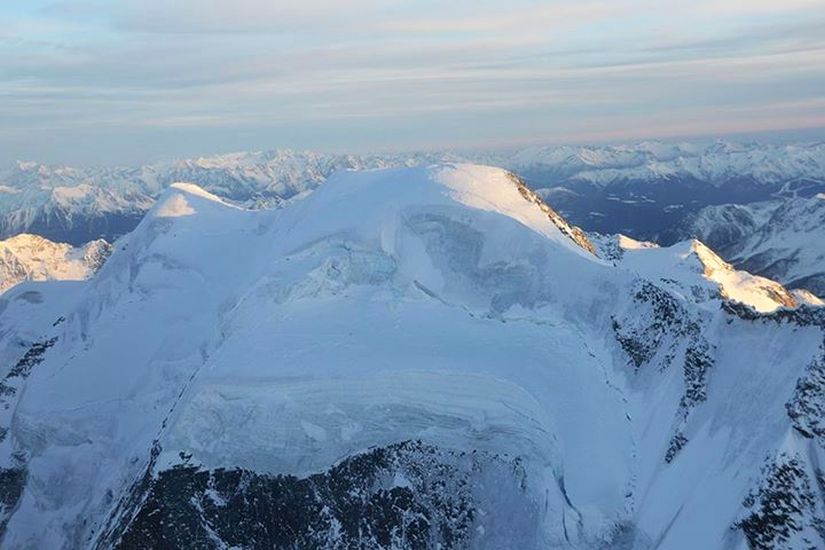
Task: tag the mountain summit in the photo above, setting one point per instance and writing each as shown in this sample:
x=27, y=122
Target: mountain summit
x=413, y=357
x=31, y=257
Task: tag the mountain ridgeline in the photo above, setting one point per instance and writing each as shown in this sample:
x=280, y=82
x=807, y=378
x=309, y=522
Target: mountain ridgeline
x=649, y=191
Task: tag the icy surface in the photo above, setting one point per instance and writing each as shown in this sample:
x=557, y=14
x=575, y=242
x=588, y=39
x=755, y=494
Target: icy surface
x=434, y=304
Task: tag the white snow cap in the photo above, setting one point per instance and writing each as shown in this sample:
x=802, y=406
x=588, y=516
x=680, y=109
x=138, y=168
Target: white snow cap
x=28, y=257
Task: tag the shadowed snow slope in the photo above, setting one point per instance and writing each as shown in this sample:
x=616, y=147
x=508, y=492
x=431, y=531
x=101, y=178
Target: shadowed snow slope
x=406, y=358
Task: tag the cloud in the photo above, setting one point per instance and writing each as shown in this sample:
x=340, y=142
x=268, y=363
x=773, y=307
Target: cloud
x=323, y=71
x=240, y=16
x=749, y=7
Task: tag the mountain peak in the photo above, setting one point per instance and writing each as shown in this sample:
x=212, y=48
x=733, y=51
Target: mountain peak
x=690, y=265
x=195, y=190
x=431, y=342
x=181, y=199
x=475, y=186
x=27, y=257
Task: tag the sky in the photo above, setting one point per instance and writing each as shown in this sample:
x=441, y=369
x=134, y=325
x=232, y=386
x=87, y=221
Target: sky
x=129, y=81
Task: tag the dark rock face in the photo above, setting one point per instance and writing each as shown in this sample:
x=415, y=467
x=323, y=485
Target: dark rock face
x=663, y=316
x=803, y=316
x=665, y=324
x=10, y=384
x=12, y=482
x=806, y=408
x=697, y=365
x=676, y=443
x=13, y=479
x=408, y=495
x=662, y=324
x=783, y=507
x=33, y=357
x=571, y=231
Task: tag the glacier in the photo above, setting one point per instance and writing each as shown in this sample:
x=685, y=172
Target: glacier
x=408, y=357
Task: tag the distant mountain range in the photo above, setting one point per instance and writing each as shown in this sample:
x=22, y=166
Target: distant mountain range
x=783, y=239
x=77, y=205
x=649, y=191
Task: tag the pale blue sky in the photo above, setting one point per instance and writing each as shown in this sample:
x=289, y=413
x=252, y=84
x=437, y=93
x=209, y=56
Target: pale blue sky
x=103, y=82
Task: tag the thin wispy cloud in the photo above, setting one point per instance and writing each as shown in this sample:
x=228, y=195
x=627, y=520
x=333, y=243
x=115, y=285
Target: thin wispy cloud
x=103, y=82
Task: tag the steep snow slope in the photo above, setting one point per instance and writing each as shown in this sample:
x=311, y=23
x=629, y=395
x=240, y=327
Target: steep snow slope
x=784, y=240
x=30, y=257
x=406, y=358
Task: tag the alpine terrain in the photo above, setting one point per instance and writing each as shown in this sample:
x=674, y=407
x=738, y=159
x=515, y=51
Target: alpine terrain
x=420, y=357
x=664, y=192
x=31, y=257
x=783, y=239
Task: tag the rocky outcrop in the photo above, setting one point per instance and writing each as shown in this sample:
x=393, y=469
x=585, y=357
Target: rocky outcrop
x=407, y=495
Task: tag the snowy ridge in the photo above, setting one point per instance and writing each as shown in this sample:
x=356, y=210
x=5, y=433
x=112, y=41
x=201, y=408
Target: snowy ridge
x=677, y=266
x=781, y=239
x=680, y=263
x=394, y=332
x=33, y=258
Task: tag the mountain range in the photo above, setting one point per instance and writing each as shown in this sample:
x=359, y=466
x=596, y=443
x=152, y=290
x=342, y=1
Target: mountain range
x=649, y=191
x=782, y=239
x=417, y=357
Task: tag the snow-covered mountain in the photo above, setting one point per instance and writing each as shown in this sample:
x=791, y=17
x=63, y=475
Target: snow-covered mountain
x=642, y=190
x=720, y=163
x=33, y=258
x=78, y=205
x=782, y=239
x=692, y=265
x=647, y=190
x=651, y=190
x=420, y=357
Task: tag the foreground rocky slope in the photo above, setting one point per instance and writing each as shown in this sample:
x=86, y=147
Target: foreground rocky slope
x=421, y=357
